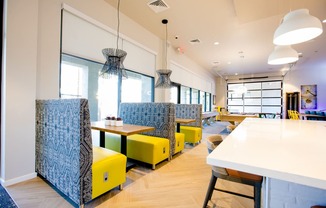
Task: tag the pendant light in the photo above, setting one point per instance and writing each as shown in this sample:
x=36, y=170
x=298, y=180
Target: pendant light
x=114, y=57
x=164, y=74
x=298, y=26
x=283, y=54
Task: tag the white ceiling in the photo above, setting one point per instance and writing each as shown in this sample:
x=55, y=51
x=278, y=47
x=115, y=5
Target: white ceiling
x=243, y=28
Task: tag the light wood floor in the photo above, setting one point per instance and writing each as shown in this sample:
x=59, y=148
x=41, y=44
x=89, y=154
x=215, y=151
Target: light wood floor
x=182, y=182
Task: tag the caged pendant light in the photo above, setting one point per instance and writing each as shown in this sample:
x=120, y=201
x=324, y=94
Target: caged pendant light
x=164, y=74
x=114, y=57
x=298, y=26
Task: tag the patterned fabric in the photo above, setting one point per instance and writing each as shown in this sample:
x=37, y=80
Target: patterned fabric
x=161, y=116
x=193, y=111
x=5, y=199
x=64, y=146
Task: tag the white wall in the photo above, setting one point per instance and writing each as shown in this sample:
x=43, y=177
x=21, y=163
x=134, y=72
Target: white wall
x=19, y=89
x=295, y=78
x=32, y=71
x=220, y=92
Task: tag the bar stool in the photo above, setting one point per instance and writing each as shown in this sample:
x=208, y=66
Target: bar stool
x=231, y=175
x=230, y=128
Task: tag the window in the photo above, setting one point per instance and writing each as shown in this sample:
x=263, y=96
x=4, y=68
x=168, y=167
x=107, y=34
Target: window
x=73, y=88
x=185, y=95
x=202, y=100
x=137, y=88
x=80, y=78
x=194, y=96
x=260, y=97
x=208, y=101
x=175, y=93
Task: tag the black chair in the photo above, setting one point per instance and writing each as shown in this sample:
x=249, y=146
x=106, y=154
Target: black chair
x=231, y=175
x=267, y=115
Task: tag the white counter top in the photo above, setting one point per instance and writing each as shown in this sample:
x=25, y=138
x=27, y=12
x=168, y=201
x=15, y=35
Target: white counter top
x=290, y=150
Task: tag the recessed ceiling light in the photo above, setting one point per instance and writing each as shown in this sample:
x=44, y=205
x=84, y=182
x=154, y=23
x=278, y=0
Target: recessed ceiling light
x=229, y=62
x=324, y=21
x=235, y=73
x=216, y=43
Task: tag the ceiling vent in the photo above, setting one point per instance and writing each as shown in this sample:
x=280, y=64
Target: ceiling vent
x=158, y=6
x=195, y=41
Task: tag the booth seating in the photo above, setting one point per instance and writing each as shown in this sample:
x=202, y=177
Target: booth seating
x=159, y=148
x=65, y=156
x=318, y=113
x=192, y=131
x=148, y=147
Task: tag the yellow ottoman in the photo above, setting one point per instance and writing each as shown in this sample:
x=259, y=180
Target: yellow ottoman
x=108, y=170
x=179, y=142
x=148, y=149
x=192, y=134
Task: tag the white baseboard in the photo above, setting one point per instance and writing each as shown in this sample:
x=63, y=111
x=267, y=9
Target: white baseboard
x=18, y=179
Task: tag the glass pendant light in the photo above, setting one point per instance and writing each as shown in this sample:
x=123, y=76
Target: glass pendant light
x=298, y=26
x=164, y=74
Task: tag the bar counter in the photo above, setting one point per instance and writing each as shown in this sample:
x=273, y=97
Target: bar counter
x=293, y=151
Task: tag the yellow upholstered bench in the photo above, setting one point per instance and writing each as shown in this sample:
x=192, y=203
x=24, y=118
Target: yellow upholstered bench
x=179, y=142
x=109, y=169
x=144, y=148
x=148, y=149
x=192, y=134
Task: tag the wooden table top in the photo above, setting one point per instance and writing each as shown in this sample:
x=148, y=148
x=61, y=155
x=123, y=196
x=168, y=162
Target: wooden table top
x=184, y=120
x=126, y=129
x=209, y=114
x=235, y=117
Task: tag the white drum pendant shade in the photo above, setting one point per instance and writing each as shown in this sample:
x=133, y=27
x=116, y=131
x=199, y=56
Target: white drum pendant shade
x=298, y=26
x=283, y=55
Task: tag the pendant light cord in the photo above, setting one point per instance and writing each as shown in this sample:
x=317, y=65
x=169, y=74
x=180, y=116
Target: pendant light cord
x=118, y=14
x=165, y=51
x=166, y=45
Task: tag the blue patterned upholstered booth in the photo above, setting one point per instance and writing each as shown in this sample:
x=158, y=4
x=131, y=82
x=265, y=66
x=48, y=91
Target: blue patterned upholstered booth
x=65, y=156
x=144, y=147
x=192, y=131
